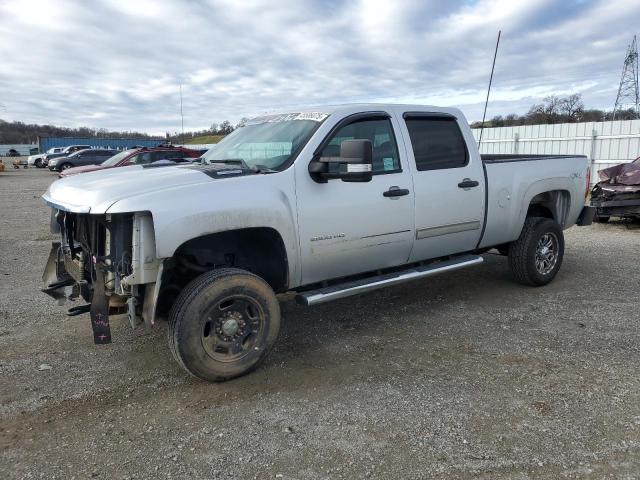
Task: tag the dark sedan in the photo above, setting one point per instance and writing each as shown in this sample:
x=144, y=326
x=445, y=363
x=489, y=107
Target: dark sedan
x=90, y=156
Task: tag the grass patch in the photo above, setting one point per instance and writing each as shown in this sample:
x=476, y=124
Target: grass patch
x=203, y=139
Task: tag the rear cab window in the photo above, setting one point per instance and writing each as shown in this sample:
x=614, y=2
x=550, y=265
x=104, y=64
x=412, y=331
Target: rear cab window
x=437, y=141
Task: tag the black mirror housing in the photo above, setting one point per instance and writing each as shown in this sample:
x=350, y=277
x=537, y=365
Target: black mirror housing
x=355, y=163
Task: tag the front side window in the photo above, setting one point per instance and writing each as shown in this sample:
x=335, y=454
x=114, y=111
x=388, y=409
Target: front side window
x=380, y=132
x=266, y=142
x=437, y=143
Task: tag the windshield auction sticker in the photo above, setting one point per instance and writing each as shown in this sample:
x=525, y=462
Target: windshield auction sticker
x=286, y=117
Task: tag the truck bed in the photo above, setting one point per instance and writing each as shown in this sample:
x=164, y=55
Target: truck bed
x=514, y=180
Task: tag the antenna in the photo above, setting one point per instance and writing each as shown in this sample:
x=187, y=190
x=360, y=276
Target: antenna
x=628, y=97
x=181, y=116
x=489, y=89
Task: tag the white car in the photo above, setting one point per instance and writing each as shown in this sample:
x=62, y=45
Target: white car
x=38, y=160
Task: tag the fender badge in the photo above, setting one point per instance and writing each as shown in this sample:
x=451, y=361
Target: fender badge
x=327, y=237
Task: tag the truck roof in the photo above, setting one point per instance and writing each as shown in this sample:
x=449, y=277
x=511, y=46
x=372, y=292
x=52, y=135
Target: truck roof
x=351, y=108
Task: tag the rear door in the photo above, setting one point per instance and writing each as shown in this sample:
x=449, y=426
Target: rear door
x=91, y=157
x=101, y=155
x=449, y=185
x=347, y=228
x=82, y=158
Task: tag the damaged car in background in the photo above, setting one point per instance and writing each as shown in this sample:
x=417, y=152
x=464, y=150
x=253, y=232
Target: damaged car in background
x=617, y=194
x=326, y=203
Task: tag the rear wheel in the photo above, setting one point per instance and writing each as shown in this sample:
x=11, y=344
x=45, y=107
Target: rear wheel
x=223, y=324
x=536, y=256
x=38, y=163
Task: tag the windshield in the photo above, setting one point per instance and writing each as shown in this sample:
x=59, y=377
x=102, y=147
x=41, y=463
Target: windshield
x=112, y=161
x=266, y=142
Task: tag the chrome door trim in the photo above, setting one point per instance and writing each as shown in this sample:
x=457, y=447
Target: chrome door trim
x=447, y=229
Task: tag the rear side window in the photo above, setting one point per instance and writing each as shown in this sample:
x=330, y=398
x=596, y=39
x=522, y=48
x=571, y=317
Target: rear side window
x=437, y=143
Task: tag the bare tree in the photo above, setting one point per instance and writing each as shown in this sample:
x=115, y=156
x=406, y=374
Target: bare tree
x=572, y=106
x=225, y=128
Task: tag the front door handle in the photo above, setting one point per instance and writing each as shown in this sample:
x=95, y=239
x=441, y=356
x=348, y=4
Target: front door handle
x=396, y=192
x=468, y=183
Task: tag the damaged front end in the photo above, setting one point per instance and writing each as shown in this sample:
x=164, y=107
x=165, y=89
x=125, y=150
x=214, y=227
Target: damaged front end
x=618, y=192
x=98, y=259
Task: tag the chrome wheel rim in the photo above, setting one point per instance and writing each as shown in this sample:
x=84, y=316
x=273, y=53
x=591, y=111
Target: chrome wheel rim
x=547, y=250
x=232, y=328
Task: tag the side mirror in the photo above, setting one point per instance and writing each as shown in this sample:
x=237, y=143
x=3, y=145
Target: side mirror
x=353, y=165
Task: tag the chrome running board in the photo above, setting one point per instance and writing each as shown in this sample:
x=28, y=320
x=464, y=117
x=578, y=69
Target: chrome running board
x=342, y=290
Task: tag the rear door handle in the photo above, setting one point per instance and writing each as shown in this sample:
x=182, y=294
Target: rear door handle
x=396, y=192
x=468, y=183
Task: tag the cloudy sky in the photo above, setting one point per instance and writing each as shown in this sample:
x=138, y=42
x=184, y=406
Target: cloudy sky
x=118, y=64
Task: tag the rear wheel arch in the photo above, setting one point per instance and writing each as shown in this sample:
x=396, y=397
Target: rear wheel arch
x=553, y=204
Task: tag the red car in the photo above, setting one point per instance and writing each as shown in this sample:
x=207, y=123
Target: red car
x=138, y=156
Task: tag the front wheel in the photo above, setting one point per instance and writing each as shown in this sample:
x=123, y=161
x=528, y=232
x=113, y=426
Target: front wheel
x=65, y=166
x=38, y=163
x=536, y=256
x=223, y=324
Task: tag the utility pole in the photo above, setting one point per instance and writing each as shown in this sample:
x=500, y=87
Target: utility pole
x=628, y=94
x=181, y=115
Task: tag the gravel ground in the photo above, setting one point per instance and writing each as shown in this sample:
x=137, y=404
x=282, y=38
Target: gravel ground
x=463, y=375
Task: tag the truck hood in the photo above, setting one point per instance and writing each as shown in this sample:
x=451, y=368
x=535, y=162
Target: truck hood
x=95, y=192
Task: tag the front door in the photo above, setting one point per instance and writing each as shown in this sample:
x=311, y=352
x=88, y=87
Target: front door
x=347, y=228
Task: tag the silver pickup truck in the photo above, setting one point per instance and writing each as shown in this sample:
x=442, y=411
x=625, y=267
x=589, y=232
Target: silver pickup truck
x=327, y=203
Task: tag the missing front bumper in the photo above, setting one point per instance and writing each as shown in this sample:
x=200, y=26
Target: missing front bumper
x=61, y=285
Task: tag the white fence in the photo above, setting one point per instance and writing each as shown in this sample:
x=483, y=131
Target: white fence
x=605, y=143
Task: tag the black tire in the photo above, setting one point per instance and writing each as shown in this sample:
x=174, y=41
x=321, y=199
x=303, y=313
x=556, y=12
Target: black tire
x=601, y=218
x=64, y=166
x=38, y=163
x=528, y=260
x=199, y=324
